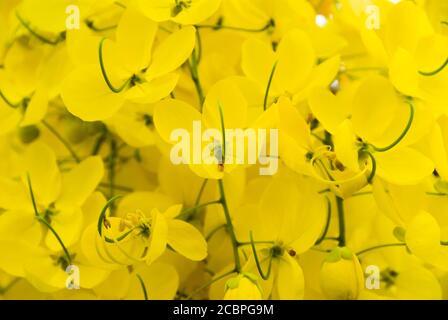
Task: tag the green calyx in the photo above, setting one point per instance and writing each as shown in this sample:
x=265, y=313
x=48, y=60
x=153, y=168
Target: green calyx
x=234, y=283
x=339, y=253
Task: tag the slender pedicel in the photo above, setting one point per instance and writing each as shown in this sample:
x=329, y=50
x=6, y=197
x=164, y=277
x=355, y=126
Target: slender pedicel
x=257, y=261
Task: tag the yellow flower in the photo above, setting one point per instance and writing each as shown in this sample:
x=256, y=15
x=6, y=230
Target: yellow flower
x=243, y=287
x=59, y=197
x=179, y=11
x=136, y=237
x=127, y=69
x=341, y=275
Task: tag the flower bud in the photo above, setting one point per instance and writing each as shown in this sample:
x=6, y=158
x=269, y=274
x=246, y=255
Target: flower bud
x=243, y=287
x=341, y=275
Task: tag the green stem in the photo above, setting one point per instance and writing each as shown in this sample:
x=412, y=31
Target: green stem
x=198, y=48
x=327, y=224
x=201, y=192
x=208, y=284
x=268, y=88
x=142, y=284
x=341, y=218
x=373, y=173
x=112, y=162
x=403, y=134
x=219, y=26
x=193, y=66
x=435, y=72
x=104, y=73
x=99, y=143
x=214, y=231
x=223, y=133
x=257, y=261
x=62, y=140
x=381, y=247
x=230, y=227
x=44, y=221
x=198, y=207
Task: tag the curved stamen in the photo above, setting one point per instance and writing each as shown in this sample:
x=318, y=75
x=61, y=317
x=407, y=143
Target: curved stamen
x=331, y=180
x=45, y=222
x=219, y=26
x=102, y=218
x=91, y=25
x=257, y=261
x=403, y=134
x=8, y=102
x=142, y=284
x=373, y=173
x=27, y=26
x=435, y=72
x=104, y=73
x=268, y=88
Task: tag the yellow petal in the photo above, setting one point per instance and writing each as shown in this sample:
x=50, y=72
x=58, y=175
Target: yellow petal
x=258, y=59
x=67, y=223
x=374, y=108
x=170, y=115
x=345, y=146
x=403, y=73
x=172, y=52
x=186, y=240
x=326, y=108
x=87, y=96
x=81, y=182
x=423, y=236
x=290, y=279
x=227, y=96
x=296, y=59
x=135, y=36
x=161, y=281
x=36, y=109
x=158, y=238
x=403, y=166
x=154, y=90
x=40, y=163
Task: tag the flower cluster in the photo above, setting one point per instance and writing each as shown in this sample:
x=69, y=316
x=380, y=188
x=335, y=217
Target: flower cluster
x=135, y=134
